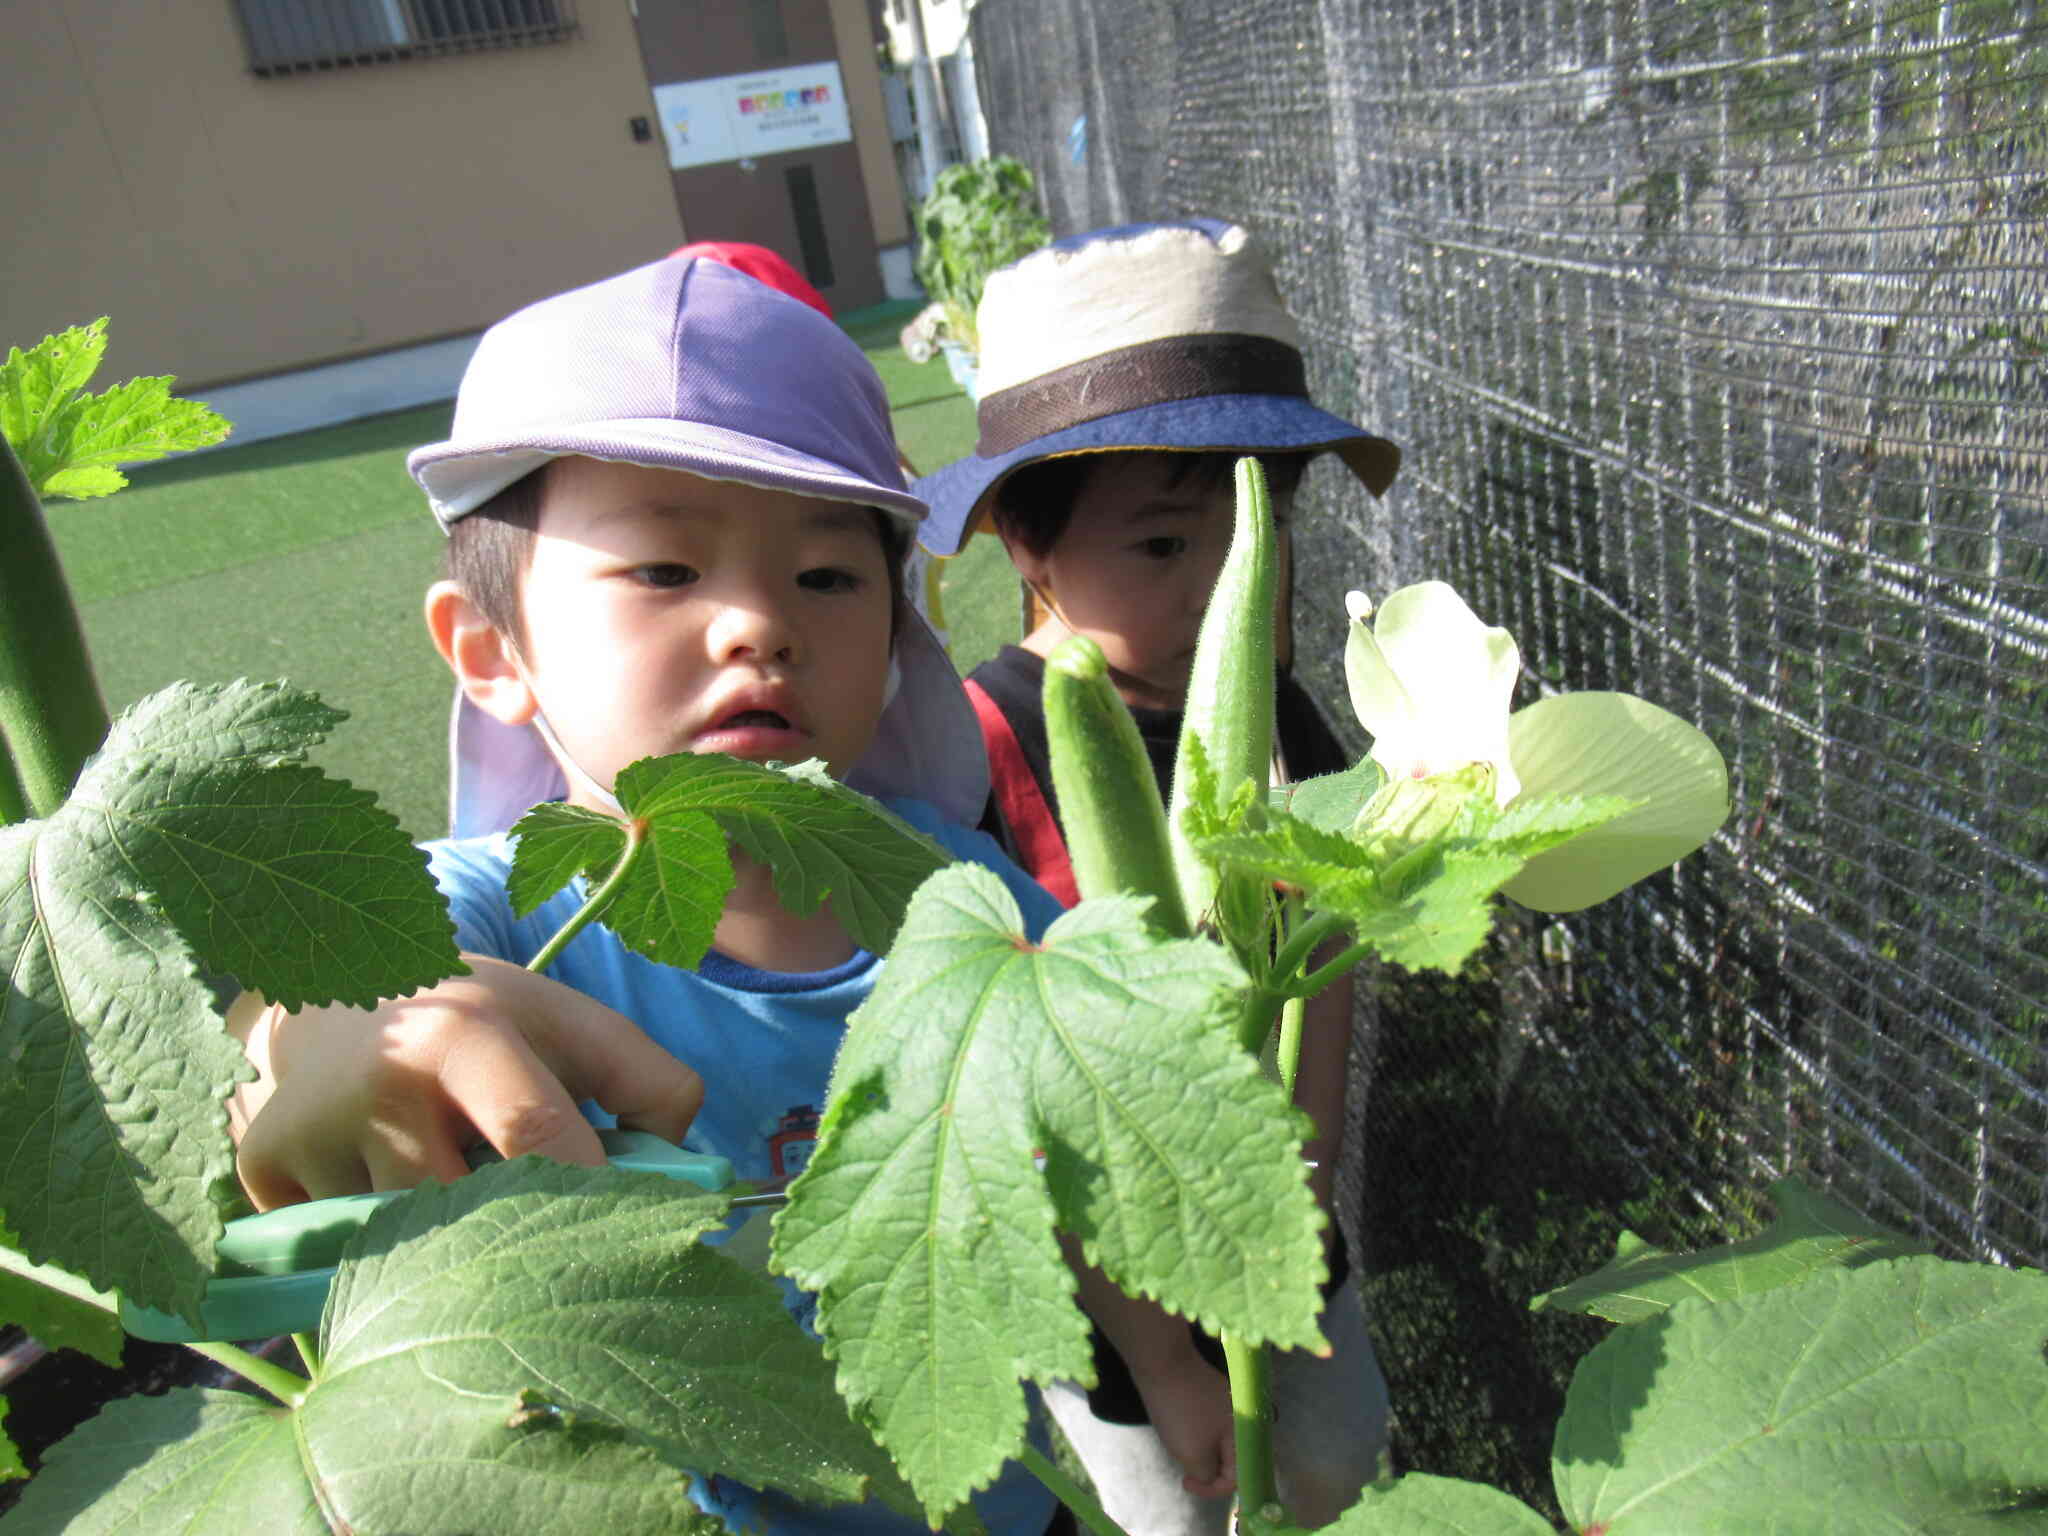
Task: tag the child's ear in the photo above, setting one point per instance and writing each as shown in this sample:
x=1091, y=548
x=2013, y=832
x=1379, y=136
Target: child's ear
x=479, y=655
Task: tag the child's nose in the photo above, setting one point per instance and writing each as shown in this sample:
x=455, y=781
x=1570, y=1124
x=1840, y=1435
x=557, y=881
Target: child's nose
x=752, y=628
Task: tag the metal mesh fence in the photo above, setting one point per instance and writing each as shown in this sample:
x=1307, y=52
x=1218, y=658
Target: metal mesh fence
x=1714, y=331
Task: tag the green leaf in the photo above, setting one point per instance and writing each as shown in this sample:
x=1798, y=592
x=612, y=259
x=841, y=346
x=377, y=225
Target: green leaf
x=195, y=838
x=190, y=1461
x=69, y=442
x=10, y=1454
x=1810, y=1232
x=925, y=1225
x=544, y=1338
x=822, y=840
x=1417, y=1505
x=1332, y=802
x=36, y=386
x=1905, y=1396
x=50, y=1306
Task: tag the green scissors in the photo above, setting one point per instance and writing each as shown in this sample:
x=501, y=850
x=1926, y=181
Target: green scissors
x=274, y=1269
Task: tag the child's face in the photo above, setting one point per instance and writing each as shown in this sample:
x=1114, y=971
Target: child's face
x=668, y=613
x=1134, y=568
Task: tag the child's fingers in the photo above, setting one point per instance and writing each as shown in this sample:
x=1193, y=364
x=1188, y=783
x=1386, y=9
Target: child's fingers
x=495, y=1082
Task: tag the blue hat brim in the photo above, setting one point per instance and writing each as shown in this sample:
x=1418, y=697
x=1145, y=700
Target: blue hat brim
x=957, y=493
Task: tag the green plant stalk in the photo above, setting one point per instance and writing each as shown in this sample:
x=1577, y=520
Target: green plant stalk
x=284, y=1385
x=1251, y=1407
x=52, y=715
x=1230, y=687
x=1068, y=1492
x=1109, y=797
x=1291, y=1013
x=601, y=898
x=309, y=1352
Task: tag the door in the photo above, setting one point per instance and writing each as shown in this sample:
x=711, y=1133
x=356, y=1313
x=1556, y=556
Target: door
x=735, y=81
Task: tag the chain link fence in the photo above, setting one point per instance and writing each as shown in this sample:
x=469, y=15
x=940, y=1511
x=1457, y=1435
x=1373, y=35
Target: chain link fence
x=1714, y=331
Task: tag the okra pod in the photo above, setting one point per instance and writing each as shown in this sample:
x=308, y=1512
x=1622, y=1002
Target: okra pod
x=1230, y=688
x=1109, y=799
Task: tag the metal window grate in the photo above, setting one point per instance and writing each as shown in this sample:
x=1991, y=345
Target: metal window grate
x=286, y=37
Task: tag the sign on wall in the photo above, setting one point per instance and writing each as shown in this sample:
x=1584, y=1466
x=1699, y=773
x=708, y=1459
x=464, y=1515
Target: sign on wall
x=737, y=117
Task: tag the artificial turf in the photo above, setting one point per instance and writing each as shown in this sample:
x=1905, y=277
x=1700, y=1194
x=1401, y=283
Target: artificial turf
x=306, y=558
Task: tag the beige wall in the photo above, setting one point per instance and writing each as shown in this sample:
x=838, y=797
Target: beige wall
x=860, y=68
x=233, y=226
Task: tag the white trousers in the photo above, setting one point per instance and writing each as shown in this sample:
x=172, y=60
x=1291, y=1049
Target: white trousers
x=1329, y=1430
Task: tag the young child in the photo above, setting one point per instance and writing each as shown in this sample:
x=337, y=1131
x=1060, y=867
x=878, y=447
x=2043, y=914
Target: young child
x=676, y=524
x=1123, y=373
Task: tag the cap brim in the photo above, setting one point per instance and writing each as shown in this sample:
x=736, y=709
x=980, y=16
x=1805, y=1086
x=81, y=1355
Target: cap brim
x=1209, y=423
x=458, y=477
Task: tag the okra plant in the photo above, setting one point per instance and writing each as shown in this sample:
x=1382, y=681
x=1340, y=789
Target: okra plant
x=545, y=1347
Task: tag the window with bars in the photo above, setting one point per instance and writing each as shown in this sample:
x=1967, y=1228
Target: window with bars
x=297, y=36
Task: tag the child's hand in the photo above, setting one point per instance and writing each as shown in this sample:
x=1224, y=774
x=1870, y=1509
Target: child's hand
x=348, y=1101
x=1189, y=1404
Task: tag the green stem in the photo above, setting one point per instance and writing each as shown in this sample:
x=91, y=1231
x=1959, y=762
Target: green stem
x=280, y=1383
x=1068, y=1492
x=13, y=798
x=52, y=716
x=1251, y=1406
x=1310, y=985
x=1302, y=942
x=591, y=910
x=309, y=1352
x=1290, y=1041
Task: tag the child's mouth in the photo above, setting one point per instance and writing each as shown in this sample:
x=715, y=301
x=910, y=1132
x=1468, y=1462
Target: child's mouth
x=751, y=719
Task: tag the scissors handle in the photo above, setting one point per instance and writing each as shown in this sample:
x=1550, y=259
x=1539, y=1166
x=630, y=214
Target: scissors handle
x=273, y=1270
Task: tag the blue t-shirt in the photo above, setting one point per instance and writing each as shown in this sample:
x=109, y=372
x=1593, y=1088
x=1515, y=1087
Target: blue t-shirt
x=764, y=1042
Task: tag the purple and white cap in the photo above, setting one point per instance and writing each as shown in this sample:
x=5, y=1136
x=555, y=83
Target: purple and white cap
x=689, y=365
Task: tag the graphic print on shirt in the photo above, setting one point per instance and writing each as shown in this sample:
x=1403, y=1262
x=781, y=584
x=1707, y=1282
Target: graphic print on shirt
x=796, y=1135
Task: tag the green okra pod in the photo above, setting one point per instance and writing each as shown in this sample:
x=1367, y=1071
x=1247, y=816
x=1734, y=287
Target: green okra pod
x=1230, y=688
x=1109, y=800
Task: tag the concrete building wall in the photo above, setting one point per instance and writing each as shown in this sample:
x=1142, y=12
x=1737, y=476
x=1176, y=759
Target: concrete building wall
x=234, y=226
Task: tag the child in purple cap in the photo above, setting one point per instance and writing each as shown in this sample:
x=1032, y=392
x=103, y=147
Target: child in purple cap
x=676, y=523
x=1122, y=373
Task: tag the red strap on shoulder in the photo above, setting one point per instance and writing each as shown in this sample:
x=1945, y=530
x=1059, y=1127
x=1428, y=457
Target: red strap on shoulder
x=1021, y=803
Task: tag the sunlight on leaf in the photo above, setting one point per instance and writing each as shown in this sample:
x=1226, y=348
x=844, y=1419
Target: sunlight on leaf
x=70, y=442
x=1908, y=1395
x=1418, y=1505
x=822, y=840
x=545, y=1337
x=40, y=1302
x=196, y=838
x=925, y=1224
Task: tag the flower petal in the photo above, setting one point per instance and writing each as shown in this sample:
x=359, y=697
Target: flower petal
x=1614, y=744
x=1432, y=684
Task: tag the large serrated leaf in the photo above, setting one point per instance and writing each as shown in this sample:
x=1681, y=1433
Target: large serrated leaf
x=1417, y=1505
x=822, y=841
x=1811, y=1231
x=523, y=1329
x=195, y=838
x=1905, y=1396
x=928, y=1230
x=189, y=1463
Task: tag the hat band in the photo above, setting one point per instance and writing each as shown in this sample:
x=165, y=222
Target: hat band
x=1150, y=373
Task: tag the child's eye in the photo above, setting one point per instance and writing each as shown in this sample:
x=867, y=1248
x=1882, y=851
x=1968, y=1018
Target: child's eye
x=828, y=579
x=664, y=574
x=1162, y=547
